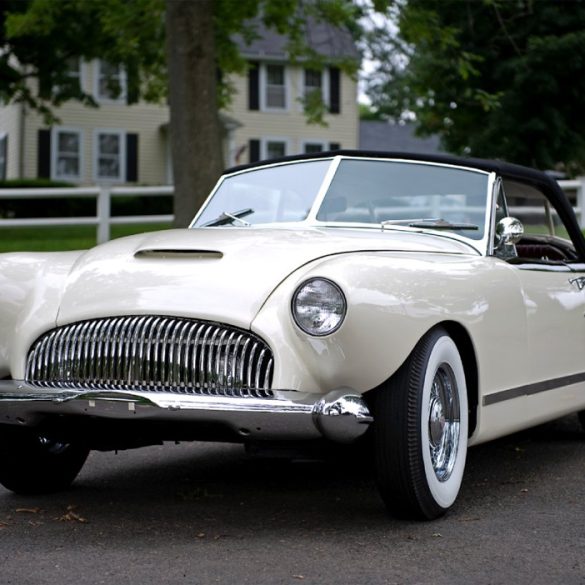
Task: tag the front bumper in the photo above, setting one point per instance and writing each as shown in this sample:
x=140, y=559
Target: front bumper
x=340, y=415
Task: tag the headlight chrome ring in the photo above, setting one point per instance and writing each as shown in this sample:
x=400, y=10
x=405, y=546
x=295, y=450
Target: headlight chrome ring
x=318, y=307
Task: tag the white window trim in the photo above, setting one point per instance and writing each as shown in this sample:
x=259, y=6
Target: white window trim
x=123, y=147
x=82, y=74
x=55, y=131
x=82, y=77
x=264, y=145
x=324, y=145
x=122, y=98
x=263, y=78
x=324, y=87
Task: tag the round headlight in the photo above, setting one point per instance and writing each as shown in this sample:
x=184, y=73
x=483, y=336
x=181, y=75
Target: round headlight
x=318, y=306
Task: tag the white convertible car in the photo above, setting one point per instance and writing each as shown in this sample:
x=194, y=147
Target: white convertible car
x=423, y=304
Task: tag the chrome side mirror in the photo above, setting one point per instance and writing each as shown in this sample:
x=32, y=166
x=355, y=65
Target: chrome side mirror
x=509, y=232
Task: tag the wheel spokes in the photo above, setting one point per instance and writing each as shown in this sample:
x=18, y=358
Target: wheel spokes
x=444, y=422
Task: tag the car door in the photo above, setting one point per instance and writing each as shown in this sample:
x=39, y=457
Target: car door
x=553, y=284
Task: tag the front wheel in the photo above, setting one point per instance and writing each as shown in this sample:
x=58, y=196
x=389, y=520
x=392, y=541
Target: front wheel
x=36, y=463
x=421, y=427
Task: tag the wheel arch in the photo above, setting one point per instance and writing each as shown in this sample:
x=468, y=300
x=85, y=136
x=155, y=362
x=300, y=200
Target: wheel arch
x=466, y=349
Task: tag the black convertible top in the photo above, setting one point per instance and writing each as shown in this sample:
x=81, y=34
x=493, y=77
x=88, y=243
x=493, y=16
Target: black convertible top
x=537, y=179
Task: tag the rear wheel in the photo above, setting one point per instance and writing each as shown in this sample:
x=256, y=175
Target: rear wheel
x=421, y=428
x=35, y=463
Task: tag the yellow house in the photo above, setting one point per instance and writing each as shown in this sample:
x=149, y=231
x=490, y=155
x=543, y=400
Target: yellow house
x=119, y=143
x=114, y=143
x=268, y=101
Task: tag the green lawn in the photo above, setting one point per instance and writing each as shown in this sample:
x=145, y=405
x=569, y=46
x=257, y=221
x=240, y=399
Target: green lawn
x=50, y=239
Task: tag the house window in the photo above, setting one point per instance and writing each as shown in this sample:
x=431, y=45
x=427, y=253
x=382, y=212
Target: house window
x=313, y=82
x=3, y=156
x=313, y=147
x=74, y=71
x=274, y=149
x=109, y=150
x=111, y=82
x=66, y=149
x=275, y=87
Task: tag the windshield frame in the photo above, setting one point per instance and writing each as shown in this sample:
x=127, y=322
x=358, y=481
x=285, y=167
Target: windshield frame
x=481, y=245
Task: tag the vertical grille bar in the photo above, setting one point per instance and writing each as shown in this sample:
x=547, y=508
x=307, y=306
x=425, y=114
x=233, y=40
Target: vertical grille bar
x=156, y=353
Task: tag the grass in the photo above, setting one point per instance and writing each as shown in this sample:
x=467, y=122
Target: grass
x=53, y=239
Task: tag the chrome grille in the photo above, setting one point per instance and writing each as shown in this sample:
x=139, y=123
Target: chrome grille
x=152, y=353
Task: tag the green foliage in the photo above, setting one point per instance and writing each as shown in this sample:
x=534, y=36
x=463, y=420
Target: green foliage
x=367, y=112
x=42, y=36
x=493, y=78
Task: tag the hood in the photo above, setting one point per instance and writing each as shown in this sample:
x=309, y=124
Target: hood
x=218, y=274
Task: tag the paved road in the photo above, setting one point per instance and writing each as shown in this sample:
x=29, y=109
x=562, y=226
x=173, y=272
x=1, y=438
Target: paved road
x=204, y=514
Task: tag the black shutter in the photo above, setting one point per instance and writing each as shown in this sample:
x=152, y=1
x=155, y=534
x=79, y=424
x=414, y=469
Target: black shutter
x=334, y=146
x=254, y=86
x=44, y=154
x=334, y=90
x=132, y=158
x=254, y=147
x=132, y=84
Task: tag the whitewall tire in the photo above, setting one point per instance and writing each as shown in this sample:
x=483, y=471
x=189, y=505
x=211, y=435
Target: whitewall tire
x=421, y=429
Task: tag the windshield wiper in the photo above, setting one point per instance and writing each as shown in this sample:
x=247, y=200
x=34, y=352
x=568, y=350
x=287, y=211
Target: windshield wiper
x=432, y=223
x=227, y=218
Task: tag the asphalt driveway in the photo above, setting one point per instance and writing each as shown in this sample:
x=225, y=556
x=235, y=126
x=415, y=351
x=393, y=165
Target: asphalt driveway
x=206, y=513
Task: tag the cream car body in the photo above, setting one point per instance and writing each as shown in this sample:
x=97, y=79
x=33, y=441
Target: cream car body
x=400, y=279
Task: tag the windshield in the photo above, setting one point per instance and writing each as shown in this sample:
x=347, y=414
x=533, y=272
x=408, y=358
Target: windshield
x=266, y=195
x=410, y=194
x=380, y=192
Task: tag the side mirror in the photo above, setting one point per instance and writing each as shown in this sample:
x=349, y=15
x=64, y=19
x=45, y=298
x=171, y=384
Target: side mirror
x=509, y=232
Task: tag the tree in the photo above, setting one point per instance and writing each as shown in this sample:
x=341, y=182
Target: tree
x=493, y=78
x=40, y=35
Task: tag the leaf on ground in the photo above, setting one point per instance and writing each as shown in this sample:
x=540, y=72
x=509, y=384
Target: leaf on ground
x=72, y=516
x=470, y=519
x=28, y=510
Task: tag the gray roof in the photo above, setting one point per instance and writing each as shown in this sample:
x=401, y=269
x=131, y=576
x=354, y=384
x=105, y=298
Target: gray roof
x=388, y=137
x=324, y=38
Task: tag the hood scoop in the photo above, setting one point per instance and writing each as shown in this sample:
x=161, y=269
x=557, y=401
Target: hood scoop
x=174, y=253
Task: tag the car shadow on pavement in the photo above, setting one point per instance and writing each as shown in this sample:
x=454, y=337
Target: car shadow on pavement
x=217, y=490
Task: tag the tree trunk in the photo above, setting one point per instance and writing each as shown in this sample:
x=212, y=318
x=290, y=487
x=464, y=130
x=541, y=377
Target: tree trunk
x=195, y=130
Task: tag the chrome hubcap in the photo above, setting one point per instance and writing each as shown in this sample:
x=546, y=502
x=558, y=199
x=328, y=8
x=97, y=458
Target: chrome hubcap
x=444, y=422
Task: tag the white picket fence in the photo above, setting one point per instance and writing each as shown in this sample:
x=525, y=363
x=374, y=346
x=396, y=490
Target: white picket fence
x=103, y=220
x=575, y=191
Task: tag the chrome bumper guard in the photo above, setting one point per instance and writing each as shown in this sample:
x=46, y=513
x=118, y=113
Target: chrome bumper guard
x=340, y=415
